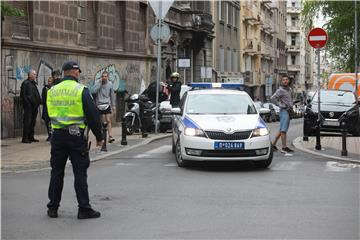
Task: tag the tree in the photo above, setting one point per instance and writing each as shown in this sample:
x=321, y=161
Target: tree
x=340, y=29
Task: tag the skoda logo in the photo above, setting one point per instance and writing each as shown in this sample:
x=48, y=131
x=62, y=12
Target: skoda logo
x=228, y=130
x=331, y=114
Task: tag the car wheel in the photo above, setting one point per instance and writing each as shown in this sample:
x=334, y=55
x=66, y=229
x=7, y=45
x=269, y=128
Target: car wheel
x=264, y=163
x=178, y=156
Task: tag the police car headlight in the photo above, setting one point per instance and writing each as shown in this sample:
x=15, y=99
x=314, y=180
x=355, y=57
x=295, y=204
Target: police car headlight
x=195, y=132
x=257, y=132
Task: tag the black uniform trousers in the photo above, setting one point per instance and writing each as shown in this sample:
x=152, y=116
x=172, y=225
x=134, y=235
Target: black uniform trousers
x=30, y=114
x=63, y=146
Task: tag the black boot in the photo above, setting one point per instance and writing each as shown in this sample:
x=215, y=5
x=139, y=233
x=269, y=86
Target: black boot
x=85, y=213
x=52, y=212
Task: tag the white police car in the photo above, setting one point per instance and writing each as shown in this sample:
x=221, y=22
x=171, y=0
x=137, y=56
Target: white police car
x=216, y=123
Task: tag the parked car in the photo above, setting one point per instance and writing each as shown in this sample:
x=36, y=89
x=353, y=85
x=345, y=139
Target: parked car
x=273, y=115
x=263, y=111
x=337, y=107
x=219, y=125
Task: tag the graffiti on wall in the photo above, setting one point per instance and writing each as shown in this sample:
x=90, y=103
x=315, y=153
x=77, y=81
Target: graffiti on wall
x=133, y=77
x=44, y=71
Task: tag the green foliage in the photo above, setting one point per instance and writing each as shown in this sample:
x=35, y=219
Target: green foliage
x=340, y=28
x=8, y=10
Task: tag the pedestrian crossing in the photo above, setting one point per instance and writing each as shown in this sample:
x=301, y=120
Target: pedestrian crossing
x=278, y=164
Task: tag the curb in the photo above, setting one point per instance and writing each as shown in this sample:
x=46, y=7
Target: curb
x=297, y=143
x=97, y=158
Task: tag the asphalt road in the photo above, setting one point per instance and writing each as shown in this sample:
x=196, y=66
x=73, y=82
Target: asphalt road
x=143, y=194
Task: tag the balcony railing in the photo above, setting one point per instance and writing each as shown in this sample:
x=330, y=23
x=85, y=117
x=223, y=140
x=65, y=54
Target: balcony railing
x=294, y=68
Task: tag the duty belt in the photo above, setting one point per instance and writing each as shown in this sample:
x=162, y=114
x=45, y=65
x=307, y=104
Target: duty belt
x=73, y=130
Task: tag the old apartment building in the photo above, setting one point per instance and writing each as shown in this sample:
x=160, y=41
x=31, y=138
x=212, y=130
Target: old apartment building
x=100, y=35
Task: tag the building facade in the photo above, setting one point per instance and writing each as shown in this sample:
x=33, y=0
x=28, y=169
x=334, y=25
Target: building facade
x=226, y=45
x=101, y=36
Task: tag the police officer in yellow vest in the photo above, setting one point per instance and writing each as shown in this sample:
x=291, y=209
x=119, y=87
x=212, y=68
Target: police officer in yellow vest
x=71, y=108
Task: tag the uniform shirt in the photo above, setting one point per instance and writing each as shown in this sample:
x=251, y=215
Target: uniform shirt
x=92, y=116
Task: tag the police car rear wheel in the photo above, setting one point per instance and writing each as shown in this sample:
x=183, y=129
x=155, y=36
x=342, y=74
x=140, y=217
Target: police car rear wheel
x=178, y=155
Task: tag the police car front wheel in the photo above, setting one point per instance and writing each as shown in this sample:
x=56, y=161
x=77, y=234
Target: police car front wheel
x=180, y=161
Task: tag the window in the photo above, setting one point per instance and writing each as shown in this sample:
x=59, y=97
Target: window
x=294, y=20
x=235, y=61
x=293, y=4
x=21, y=25
x=293, y=59
x=91, y=28
x=229, y=13
x=120, y=24
x=293, y=39
x=222, y=64
x=220, y=10
x=228, y=64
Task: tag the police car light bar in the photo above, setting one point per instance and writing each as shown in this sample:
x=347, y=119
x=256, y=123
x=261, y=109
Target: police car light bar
x=215, y=85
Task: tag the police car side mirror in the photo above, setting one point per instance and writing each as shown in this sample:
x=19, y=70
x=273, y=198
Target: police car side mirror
x=176, y=111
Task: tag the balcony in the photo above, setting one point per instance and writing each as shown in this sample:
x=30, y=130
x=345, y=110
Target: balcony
x=293, y=10
x=293, y=48
x=250, y=45
x=293, y=29
x=202, y=22
x=294, y=68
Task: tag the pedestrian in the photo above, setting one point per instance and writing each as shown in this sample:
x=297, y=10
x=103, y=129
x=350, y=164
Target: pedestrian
x=54, y=79
x=105, y=101
x=45, y=115
x=282, y=98
x=31, y=100
x=174, y=87
x=71, y=108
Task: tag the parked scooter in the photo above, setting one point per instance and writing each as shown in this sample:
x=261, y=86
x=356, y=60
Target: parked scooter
x=135, y=104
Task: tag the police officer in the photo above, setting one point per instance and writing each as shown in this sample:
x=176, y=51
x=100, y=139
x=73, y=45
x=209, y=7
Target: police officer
x=174, y=87
x=71, y=108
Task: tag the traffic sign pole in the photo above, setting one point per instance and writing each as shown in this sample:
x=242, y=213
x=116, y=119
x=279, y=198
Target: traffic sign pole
x=317, y=39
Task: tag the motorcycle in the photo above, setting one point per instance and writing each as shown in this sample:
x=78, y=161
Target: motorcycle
x=132, y=118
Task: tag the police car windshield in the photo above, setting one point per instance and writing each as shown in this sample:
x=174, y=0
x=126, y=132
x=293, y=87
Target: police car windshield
x=219, y=104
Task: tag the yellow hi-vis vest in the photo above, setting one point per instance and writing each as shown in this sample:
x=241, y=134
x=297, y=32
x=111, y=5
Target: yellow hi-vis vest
x=65, y=106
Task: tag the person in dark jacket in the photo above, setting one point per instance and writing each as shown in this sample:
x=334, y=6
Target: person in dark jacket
x=31, y=100
x=174, y=88
x=55, y=76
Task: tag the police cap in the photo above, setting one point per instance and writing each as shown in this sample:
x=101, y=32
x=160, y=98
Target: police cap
x=71, y=65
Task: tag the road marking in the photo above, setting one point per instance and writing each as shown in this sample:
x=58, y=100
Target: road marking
x=285, y=166
x=159, y=150
x=332, y=166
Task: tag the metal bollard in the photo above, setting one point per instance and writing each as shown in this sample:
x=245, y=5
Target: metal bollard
x=104, y=128
x=318, y=143
x=123, y=132
x=343, y=139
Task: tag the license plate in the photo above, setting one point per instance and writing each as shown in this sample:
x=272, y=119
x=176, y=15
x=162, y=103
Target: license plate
x=331, y=123
x=229, y=145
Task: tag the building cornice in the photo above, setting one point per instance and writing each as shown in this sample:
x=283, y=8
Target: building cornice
x=77, y=50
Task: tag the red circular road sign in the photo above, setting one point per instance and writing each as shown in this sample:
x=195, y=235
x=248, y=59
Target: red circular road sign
x=317, y=37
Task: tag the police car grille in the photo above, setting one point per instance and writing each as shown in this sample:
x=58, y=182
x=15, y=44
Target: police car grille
x=223, y=136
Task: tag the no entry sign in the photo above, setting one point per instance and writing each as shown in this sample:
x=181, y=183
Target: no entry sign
x=317, y=37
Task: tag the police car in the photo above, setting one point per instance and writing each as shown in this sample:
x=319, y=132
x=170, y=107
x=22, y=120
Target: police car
x=217, y=122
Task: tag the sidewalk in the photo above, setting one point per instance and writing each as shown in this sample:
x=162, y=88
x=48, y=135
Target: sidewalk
x=17, y=156
x=331, y=147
